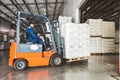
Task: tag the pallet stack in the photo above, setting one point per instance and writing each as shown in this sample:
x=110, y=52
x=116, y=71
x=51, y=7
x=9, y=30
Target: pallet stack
x=102, y=36
x=95, y=27
x=76, y=40
x=108, y=37
x=96, y=35
x=95, y=44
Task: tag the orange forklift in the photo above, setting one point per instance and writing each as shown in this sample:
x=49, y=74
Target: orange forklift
x=24, y=55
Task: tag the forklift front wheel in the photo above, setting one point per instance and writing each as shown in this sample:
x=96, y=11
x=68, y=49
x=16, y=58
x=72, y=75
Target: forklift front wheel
x=56, y=60
x=20, y=64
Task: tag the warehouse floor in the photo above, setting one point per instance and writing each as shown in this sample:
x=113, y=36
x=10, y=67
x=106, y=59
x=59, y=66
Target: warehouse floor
x=98, y=68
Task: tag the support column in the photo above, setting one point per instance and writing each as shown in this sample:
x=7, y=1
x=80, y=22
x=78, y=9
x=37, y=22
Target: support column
x=77, y=15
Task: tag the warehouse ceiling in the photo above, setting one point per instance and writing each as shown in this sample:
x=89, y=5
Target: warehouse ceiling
x=108, y=10
x=51, y=8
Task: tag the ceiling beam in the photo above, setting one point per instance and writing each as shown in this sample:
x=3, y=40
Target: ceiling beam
x=99, y=9
x=94, y=7
x=6, y=19
x=113, y=18
x=110, y=15
x=55, y=9
x=61, y=7
x=86, y=4
x=37, y=6
x=19, y=5
x=107, y=10
x=52, y=7
x=27, y=6
x=38, y=3
x=111, y=11
x=46, y=5
x=8, y=8
x=104, y=9
x=7, y=15
x=15, y=5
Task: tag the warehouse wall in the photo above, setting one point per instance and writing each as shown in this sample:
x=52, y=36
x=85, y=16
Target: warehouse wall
x=71, y=8
x=4, y=25
x=4, y=30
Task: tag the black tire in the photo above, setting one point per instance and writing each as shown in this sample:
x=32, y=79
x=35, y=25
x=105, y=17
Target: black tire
x=56, y=60
x=20, y=64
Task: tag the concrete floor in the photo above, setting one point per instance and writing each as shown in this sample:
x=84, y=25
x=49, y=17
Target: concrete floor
x=98, y=68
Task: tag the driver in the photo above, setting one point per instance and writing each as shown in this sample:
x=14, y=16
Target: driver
x=32, y=36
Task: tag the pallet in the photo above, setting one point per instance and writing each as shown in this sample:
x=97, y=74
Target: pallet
x=96, y=53
x=108, y=37
x=104, y=53
x=110, y=53
x=77, y=59
x=96, y=36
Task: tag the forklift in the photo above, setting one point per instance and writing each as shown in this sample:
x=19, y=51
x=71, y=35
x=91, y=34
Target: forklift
x=24, y=55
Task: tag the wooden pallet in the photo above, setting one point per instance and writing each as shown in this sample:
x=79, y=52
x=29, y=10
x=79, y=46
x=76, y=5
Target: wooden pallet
x=110, y=53
x=77, y=59
x=96, y=53
x=104, y=53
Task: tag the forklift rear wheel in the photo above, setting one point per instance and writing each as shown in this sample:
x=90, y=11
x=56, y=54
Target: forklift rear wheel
x=20, y=64
x=56, y=60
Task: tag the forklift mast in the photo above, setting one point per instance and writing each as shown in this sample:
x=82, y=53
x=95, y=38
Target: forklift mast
x=57, y=37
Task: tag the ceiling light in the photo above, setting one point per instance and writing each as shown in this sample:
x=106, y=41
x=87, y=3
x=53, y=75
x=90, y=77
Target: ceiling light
x=88, y=8
x=114, y=14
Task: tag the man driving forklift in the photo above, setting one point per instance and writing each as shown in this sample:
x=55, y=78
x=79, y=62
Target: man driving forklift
x=24, y=55
x=32, y=36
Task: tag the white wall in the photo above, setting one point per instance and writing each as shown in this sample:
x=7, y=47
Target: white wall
x=71, y=8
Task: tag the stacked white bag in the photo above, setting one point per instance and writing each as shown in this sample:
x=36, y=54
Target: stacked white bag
x=102, y=32
x=108, y=41
x=95, y=44
x=95, y=27
x=76, y=40
x=108, y=46
x=64, y=19
x=96, y=35
x=108, y=29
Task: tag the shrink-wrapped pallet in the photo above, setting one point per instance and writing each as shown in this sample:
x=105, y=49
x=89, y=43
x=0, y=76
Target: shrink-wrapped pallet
x=96, y=44
x=108, y=29
x=76, y=40
x=95, y=27
x=108, y=46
